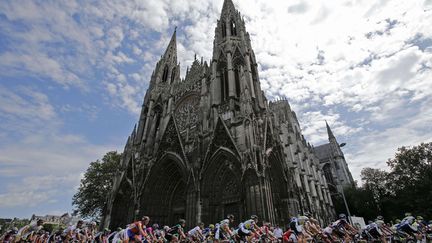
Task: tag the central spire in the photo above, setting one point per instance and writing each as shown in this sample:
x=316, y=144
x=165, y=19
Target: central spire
x=227, y=7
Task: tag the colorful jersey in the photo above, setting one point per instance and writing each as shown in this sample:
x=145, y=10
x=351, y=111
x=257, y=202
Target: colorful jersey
x=341, y=223
x=249, y=224
x=175, y=229
x=224, y=223
x=135, y=227
x=195, y=231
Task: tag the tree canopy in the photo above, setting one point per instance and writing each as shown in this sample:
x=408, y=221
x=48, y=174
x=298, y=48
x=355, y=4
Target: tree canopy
x=405, y=187
x=90, y=199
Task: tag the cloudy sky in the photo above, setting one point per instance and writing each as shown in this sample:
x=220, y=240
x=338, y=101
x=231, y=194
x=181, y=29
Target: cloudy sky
x=73, y=75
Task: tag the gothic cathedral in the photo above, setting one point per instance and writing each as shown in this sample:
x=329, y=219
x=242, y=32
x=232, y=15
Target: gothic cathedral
x=211, y=144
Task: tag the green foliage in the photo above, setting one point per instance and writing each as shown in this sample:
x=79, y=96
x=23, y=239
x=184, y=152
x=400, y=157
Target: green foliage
x=361, y=202
x=50, y=227
x=407, y=187
x=90, y=199
x=411, y=178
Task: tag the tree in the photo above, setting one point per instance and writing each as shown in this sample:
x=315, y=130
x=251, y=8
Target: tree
x=411, y=179
x=90, y=199
x=361, y=202
x=375, y=181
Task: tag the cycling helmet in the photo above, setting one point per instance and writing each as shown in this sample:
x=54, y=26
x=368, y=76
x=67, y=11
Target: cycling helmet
x=145, y=218
x=380, y=217
x=342, y=216
x=119, y=229
x=182, y=221
x=254, y=217
x=211, y=226
x=397, y=221
x=230, y=216
x=419, y=217
x=408, y=214
x=155, y=226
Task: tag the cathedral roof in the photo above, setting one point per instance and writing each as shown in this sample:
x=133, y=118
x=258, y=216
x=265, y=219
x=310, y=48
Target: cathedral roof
x=323, y=152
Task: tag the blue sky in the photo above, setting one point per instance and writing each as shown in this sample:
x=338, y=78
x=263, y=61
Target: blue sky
x=73, y=76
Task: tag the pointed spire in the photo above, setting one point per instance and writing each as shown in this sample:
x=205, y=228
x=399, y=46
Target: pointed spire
x=227, y=6
x=329, y=132
x=171, y=50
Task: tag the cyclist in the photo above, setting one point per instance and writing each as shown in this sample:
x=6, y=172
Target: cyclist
x=249, y=229
x=137, y=230
x=373, y=232
x=102, y=236
x=158, y=234
x=113, y=234
x=90, y=231
x=342, y=228
x=208, y=232
x=120, y=236
x=296, y=230
x=10, y=236
x=196, y=234
x=307, y=230
x=329, y=236
x=407, y=225
x=27, y=232
x=56, y=236
x=386, y=230
x=175, y=233
x=73, y=232
x=223, y=231
x=267, y=231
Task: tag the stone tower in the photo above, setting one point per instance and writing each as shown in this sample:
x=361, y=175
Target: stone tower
x=211, y=144
x=333, y=163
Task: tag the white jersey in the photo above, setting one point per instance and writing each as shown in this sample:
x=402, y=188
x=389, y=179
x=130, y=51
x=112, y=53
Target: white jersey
x=328, y=230
x=195, y=231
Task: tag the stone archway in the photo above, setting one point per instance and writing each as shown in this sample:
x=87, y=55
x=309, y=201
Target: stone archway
x=164, y=197
x=122, y=209
x=221, y=188
x=279, y=190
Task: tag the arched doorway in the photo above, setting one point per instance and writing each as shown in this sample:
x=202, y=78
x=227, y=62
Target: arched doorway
x=279, y=190
x=164, y=197
x=122, y=209
x=221, y=189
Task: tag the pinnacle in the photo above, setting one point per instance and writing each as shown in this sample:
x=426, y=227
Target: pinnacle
x=227, y=6
x=172, y=46
x=329, y=131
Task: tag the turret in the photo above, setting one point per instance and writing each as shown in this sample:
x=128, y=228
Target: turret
x=235, y=76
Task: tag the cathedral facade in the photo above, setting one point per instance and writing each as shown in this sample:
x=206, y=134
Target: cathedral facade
x=211, y=144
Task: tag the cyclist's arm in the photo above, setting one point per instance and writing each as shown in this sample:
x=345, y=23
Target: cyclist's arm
x=227, y=229
x=181, y=233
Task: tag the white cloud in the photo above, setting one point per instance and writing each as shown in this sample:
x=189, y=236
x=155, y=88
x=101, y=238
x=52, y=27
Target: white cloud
x=35, y=190
x=39, y=163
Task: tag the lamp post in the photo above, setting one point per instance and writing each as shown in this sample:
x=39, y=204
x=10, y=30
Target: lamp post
x=339, y=187
x=340, y=190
